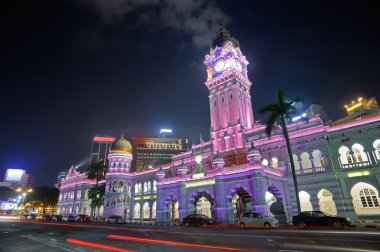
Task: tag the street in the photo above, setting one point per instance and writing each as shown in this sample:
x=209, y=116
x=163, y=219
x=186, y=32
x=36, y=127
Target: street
x=49, y=236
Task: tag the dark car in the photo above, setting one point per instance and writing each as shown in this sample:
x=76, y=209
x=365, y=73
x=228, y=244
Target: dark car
x=69, y=218
x=198, y=220
x=115, y=219
x=83, y=218
x=57, y=217
x=47, y=217
x=318, y=218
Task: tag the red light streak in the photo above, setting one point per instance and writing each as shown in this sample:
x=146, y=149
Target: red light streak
x=96, y=245
x=180, y=244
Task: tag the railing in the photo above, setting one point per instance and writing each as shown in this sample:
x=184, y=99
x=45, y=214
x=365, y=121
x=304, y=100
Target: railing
x=356, y=164
x=310, y=170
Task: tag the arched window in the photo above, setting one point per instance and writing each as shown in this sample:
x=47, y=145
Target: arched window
x=120, y=186
x=275, y=163
x=137, y=188
x=136, y=211
x=317, y=158
x=345, y=155
x=154, y=186
x=222, y=98
x=359, y=154
x=154, y=206
x=265, y=162
x=215, y=102
x=296, y=163
x=305, y=201
x=376, y=146
x=365, y=199
x=231, y=95
x=203, y=206
x=140, y=188
x=114, y=186
x=326, y=202
x=145, y=187
x=306, y=163
x=149, y=187
x=146, y=211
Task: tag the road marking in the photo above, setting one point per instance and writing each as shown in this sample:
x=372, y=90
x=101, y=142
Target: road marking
x=96, y=245
x=180, y=244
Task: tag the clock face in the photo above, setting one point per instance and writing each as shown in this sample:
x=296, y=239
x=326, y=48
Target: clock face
x=198, y=159
x=219, y=65
x=239, y=66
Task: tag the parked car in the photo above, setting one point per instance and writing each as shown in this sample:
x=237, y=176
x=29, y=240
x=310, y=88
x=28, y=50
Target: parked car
x=57, y=217
x=69, y=218
x=115, y=219
x=198, y=220
x=28, y=217
x=47, y=217
x=252, y=219
x=83, y=218
x=318, y=218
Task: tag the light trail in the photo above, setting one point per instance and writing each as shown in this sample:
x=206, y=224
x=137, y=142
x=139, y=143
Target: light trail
x=96, y=245
x=179, y=244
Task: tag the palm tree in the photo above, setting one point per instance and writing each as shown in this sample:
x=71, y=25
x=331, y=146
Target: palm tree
x=96, y=196
x=280, y=111
x=97, y=171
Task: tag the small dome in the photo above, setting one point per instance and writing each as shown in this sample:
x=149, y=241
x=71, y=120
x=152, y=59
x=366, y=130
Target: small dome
x=222, y=37
x=253, y=154
x=121, y=145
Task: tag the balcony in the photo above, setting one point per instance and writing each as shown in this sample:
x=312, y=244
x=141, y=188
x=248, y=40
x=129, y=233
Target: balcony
x=310, y=170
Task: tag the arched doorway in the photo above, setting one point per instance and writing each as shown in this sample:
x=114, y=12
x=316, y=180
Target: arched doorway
x=241, y=202
x=204, y=204
x=173, y=210
x=126, y=213
x=136, y=211
x=326, y=202
x=146, y=211
x=275, y=205
x=305, y=201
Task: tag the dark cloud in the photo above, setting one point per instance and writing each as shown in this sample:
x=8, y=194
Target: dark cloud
x=197, y=18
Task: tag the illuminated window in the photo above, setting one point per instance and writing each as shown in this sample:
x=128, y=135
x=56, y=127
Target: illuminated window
x=154, y=206
x=365, y=199
x=345, y=155
x=376, y=146
x=306, y=163
x=368, y=198
x=136, y=211
x=154, y=186
x=265, y=162
x=296, y=163
x=274, y=163
x=146, y=210
x=326, y=202
x=359, y=154
x=317, y=158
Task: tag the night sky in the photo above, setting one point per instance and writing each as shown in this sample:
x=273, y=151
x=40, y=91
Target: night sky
x=72, y=69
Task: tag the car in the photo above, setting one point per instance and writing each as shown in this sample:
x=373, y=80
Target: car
x=319, y=218
x=69, y=218
x=198, y=220
x=115, y=219
x=47, y=217
x=252, y=219
x=57, y=217
x=83, y=218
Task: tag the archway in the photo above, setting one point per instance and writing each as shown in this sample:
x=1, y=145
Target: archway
x=241, y=202
x=326, y=202
x=275, y=205
x=146, y=211
x=126, y=213
x=173, y=210
x=305, y=201
x=136, y=211
x=204, y=204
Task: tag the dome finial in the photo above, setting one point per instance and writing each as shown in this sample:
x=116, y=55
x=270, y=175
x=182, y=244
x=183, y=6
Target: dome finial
x=122, y=134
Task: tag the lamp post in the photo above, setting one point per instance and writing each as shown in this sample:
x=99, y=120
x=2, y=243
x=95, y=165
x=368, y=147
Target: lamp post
x=23, y=192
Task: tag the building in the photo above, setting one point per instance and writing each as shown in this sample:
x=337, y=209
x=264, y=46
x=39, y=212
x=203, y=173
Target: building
x=73, y=193
x=99, y=148
x=151, y=152
x=360, y=107
x=241, y=169
x=17, y=178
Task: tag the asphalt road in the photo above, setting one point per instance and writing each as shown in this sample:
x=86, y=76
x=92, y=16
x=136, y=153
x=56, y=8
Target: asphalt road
x=30, y=236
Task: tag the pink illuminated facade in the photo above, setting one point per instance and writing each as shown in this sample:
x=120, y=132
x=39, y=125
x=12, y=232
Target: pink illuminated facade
x=241, y=169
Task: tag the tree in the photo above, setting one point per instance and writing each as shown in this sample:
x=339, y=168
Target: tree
x=43, y=196
x=97, y=171
x=96, y=196
x=280, y=111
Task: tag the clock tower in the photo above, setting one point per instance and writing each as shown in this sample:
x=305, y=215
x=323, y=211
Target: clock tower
x=228, y=85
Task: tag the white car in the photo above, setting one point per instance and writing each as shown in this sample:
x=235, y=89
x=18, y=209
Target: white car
x=251, y=219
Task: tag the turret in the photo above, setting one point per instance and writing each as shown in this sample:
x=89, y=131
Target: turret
x=253, y=155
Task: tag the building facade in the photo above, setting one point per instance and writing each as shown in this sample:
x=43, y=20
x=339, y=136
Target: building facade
x=241, y=169
x=149, y=152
